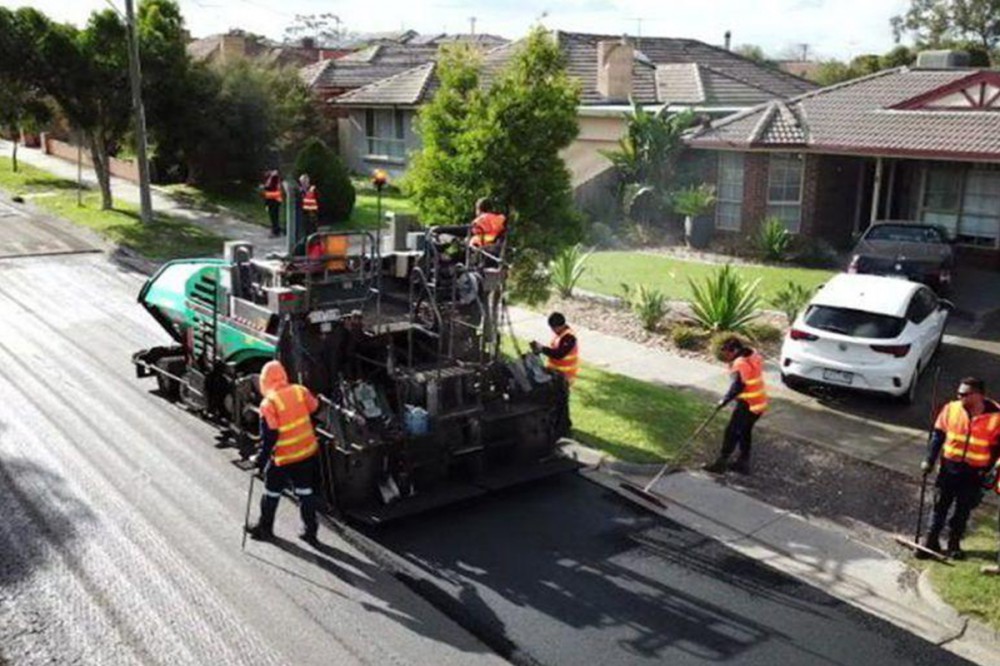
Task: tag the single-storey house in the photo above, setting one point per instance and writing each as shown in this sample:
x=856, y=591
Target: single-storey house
x=653, y=71
x=915, y=143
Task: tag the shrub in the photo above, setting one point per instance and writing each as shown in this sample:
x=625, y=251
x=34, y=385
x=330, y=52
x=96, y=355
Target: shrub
x=715, y=343
x=529, y=282
x=764, y=332
x=688, y=337
x=724, y=301
x=567, y=269
x=694, y=201
x=650, y=305
x=601, y=235
x=791, y=299
x=333, y=184
x=773, y=239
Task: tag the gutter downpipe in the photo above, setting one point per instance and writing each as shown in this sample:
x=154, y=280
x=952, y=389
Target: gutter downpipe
x=876, y=190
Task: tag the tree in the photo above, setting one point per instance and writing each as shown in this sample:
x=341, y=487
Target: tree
x=318, y=27
x=21, y=108
x=504, y=143
x=440, y=178
x=328, y=174
x=943, y=23
x=755, y=53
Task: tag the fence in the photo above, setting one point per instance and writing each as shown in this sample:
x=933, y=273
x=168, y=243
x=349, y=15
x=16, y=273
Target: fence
x=127, y=169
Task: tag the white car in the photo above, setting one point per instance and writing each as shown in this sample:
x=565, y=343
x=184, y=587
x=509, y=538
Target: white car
x=865, y=332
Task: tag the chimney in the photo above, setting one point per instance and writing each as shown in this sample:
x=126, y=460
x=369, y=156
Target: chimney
x=729, y=39
x=308, y=43
x=234, y=47
x=614, y=69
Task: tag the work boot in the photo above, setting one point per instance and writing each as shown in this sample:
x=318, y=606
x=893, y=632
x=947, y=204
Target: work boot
x=309, y=536
x=741, y=466
x=932, y=542
x=955, y=551
x=717, y=467
x=264, y=529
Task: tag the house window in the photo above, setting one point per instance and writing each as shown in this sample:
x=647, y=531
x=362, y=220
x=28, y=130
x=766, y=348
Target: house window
x=966, y=201
x=729, y=205
x=784, y=189
x=385, y=131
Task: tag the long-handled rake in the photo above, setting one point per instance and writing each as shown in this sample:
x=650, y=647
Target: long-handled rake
x=246, y=517
x=645, y=492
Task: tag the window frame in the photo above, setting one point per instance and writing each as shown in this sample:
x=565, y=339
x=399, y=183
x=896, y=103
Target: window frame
x=963, y=171
x=375, y=143
x=787, y=203
x=721, y=200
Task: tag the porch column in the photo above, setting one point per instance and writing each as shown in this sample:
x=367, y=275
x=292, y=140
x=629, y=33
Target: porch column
x=876, y=190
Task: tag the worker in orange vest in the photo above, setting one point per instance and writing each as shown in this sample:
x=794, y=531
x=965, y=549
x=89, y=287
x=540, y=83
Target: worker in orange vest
x=289, y=450
x=747, y=389
x=563, y=353
x=488, y=227
x=309, y=202
x=271, y=191
x=967, y=439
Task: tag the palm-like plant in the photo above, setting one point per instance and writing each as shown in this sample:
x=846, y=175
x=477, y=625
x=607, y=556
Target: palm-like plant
x=649, y=305
x=724, y=301
x=773, y=239
x=566, y=269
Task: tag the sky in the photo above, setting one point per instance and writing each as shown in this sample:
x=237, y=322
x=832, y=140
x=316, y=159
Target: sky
x=830, y=28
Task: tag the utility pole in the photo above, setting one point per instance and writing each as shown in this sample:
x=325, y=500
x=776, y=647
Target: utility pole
x=135, y=76
x=472, y=25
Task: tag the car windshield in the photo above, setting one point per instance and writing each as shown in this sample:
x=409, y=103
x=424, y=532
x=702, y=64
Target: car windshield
x=854, y=323
x=905, y=233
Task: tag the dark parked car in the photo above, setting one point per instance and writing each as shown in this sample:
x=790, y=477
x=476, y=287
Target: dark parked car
x=918, y=252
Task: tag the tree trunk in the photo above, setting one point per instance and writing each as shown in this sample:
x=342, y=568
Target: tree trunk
x=14, y=152
x=99, y=155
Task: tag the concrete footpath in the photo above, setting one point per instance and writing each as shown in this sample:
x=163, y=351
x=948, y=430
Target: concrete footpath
x=816, y=551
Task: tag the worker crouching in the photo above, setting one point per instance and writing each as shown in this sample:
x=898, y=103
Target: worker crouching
x=967, y=439
x=288, y=450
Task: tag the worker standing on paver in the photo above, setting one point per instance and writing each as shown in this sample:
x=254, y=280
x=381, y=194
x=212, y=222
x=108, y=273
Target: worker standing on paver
x=563, y=353
x=309, y=197
x=488, y=227
x=747, y=388
x=967, y=438
x=288, y=450
x=271, y=191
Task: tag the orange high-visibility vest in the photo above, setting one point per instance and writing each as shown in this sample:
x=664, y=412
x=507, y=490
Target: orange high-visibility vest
x=968, y=441
x=287, y=410
x=309, y=201
x=568, y=365
x=487, y=228
x=273, y=195
x=751, y=369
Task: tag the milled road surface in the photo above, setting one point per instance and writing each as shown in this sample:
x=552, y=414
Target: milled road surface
x=120, y=530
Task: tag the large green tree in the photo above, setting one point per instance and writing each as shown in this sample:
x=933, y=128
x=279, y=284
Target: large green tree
x=946, y=23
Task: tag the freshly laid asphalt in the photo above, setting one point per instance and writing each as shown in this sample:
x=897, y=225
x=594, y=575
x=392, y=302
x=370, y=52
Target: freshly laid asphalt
x=566, y=572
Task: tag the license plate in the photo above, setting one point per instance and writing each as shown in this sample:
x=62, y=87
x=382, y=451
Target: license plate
x=838, y=376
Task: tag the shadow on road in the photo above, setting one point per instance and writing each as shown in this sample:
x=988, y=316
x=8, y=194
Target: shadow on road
x=40, y=515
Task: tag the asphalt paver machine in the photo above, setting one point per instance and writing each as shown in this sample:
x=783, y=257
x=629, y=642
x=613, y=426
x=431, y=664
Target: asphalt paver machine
x=420, y=405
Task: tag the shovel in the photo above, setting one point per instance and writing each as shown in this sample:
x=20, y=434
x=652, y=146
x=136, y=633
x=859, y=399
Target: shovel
x=645, y=492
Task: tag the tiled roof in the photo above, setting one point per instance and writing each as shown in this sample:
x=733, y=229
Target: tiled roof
x=680, y=71
x=367, y=66
x=728, y=79
x=404, y=89
x=859, y=117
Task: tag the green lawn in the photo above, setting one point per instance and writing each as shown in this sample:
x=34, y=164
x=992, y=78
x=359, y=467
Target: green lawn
x=166, y=238
x=962, y=585
x=606, y=271
x=637, y=421
x=247, y=205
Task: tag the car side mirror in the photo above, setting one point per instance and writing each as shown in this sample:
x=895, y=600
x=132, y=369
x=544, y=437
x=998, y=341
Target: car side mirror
x=945, y=304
